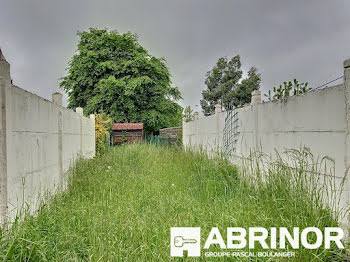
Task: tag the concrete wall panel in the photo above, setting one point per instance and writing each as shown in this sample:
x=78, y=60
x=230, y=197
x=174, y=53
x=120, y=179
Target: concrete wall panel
x=40, y=140
x=318, y=120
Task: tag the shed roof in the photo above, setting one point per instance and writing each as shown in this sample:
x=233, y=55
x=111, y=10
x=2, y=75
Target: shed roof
x=127, y=126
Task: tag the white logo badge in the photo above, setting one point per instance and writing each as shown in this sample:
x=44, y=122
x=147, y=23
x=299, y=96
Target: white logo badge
x=185, y=238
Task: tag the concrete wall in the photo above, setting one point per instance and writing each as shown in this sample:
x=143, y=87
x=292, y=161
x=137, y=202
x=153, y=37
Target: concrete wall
x=39, y=141
x=318, y=120
x=206, y=133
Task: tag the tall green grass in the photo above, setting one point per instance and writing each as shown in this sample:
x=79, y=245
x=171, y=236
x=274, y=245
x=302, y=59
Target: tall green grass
x=120, y=207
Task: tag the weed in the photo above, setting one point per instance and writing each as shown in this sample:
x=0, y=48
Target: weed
x=120, y=207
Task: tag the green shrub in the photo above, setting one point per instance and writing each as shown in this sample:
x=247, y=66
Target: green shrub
x=103, y=126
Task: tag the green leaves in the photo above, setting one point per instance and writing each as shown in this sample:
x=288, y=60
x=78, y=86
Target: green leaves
x=112, y=73
x=188, y=114
x=287, y=89
x=224, y=85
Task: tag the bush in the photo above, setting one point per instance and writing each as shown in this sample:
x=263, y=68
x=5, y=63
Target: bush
x=103, y=126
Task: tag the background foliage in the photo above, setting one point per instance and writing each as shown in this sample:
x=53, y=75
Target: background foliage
x=102, y=126
x=113, y=73
x=188, y=114
x=225, y=84
x=287, y=89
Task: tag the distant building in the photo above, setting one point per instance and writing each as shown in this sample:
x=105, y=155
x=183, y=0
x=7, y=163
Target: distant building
x=127, y=133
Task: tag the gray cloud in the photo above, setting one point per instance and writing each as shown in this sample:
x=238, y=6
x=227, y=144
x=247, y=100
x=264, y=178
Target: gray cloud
x=307, y=40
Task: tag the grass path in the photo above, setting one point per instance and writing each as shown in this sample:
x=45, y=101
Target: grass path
x=120, y=207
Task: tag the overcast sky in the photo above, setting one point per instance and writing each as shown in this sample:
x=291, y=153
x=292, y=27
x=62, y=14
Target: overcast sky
x=307, y=40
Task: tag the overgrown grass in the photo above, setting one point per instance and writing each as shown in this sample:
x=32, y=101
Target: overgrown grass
x=120, y=207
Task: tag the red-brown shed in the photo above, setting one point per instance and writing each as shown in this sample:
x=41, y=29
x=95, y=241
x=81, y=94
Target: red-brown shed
x=127, y=133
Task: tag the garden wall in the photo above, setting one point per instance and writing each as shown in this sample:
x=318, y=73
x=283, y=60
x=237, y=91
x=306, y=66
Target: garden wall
x=318, y=120
x=39, y=141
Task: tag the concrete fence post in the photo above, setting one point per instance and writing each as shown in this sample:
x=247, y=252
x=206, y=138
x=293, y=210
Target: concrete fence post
x=218, y=108
x=256, y=97
x=4, y=69
x=57, y=99
x=347, y=134
x=5, y=84
x=92, y=117
x=60, y=149
x=80, y=111
x=347, y=111
x=347, y=73
x=195, y=116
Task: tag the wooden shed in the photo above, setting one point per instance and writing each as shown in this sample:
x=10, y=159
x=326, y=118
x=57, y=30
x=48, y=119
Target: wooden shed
x=127, y=133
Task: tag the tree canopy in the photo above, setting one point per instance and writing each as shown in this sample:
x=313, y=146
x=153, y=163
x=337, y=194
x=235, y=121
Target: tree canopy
x=225, y=84
x=114, y=74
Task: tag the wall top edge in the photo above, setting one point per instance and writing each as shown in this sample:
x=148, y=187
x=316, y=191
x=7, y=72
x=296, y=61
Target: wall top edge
x=44, y=99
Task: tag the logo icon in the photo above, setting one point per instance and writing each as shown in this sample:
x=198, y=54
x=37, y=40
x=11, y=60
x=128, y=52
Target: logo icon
x=185, y=238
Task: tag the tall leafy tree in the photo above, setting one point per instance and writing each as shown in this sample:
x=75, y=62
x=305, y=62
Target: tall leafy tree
x=114, y=74
x=225, y=84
